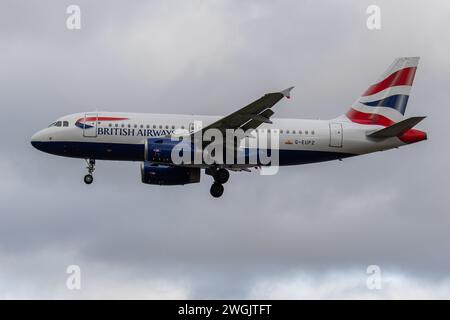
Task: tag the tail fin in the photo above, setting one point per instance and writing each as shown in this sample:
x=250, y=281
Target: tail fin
x=384, y=102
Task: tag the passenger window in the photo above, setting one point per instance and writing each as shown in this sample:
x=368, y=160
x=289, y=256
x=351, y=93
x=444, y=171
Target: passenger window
x=306, y=131
x=154, y=126
x=287, y=131
x=312, y=132
x=281, y=131
x=167, y=127
x=160, y=126
x=182, y=127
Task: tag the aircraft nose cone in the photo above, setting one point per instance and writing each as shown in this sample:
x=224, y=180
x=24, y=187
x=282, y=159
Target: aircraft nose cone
x=37, y=139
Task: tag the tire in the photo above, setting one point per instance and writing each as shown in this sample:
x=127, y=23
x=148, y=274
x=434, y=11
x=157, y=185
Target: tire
x=222, y=176
x=88, y=179
x=216, y=190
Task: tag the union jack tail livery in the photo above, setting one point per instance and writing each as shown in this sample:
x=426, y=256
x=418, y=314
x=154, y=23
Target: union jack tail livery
x=384, y=103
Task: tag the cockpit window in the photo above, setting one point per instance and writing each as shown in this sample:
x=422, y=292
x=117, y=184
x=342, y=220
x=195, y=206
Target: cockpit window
x=57, y=124
x=65, y=123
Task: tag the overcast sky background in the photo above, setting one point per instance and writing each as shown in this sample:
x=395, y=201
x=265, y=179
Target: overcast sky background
x=308, y=232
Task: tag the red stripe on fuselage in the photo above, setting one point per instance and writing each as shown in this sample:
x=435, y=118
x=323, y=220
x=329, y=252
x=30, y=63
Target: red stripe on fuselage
x=101, y=119
x=413, y=135
x=402, y=77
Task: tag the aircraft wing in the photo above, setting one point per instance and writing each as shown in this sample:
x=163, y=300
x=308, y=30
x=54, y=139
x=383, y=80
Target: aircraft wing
x=252, y=115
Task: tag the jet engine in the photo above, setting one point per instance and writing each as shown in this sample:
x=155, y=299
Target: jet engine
x=168, y=175
x=168, y=151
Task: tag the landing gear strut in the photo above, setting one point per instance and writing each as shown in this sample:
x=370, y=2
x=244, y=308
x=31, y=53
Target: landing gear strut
x=220, y=176
x=89, y=178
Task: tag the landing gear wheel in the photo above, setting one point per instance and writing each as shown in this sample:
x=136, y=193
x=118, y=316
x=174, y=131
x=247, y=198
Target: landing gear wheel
x=88, y=179
x=216, y=190
x=221, y=176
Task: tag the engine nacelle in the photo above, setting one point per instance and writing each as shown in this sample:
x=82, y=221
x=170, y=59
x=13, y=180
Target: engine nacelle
x=167, y=175
x=160, y=150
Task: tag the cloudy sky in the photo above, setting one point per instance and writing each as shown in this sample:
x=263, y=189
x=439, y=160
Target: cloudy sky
x=308, y=232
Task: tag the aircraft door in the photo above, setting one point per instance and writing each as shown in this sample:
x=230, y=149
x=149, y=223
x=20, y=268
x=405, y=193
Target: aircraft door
x=336, y=135
x=195, y=126
x=90, y=125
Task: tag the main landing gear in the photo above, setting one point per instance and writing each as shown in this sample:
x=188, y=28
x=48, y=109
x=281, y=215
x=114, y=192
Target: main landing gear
x=220, y=176
x=89, y=178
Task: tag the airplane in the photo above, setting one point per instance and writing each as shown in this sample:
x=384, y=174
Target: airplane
x=374, y=122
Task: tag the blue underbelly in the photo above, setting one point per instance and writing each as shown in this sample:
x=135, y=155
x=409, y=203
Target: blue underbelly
x=93, y=150
x=135, y=152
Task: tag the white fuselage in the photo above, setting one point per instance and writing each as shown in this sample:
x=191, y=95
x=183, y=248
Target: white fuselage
x=121, y=136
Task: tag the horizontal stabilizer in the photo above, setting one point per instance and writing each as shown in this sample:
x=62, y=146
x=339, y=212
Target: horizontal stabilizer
x=397, y=129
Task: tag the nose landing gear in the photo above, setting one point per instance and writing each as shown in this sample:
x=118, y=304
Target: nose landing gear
x=220, y=176
x=89, y=178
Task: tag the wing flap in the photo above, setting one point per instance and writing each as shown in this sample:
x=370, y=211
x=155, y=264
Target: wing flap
x=257, y=120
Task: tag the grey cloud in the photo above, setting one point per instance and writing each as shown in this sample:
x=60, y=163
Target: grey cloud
x=211, y=57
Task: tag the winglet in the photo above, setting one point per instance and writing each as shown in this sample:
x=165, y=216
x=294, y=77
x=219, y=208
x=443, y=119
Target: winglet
x=287, y=92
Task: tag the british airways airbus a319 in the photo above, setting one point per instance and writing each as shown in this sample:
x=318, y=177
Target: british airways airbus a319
x=374, y=122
